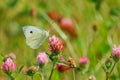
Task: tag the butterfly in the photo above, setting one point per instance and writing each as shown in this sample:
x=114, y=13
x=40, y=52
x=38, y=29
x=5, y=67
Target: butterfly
x=35, y=36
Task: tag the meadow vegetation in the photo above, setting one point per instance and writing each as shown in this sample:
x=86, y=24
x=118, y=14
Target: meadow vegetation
x=85, y=33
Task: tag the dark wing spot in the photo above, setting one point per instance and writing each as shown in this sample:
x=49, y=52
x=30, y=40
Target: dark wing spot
x=31, y=32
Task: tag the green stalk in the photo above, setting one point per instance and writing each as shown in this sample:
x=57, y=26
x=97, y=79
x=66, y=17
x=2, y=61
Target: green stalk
x=112, y=68
x=107, y=76
x=73, y=74
x=11, y=78
x=32, y=78
x=108, y=73
x=52, y=71
x=42, y=74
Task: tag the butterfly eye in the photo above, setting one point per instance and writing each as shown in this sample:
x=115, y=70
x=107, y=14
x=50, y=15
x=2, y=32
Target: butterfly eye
x=31, y=32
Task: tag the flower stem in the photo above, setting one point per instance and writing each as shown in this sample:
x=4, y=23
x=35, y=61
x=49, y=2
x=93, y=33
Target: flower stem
x=108, y=73
x=107, y=76
x=42, y=77
x=31, y=77
x=42, y=74
x=112, y=67
x=11, y=78
x=73, y=74
x=52, y=71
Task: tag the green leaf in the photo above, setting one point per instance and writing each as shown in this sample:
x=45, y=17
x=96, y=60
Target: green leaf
x=53, y=57
x=42, y=4
x=20, y=69
x=1, y=57
x=115, y=11
x=25, y=12
x=109, y=24
x=11, y=3
x=61, y=62
x=97, y=3
x=104, y=48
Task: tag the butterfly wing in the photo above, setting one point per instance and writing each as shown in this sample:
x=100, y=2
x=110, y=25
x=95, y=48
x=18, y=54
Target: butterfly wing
x=34, y=36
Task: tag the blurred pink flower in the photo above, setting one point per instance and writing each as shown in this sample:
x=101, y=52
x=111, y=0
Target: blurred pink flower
x=8, y=65
x=67, y=25
x=54, y=15
x=116, y=51
x=56, y=44
x=42, y=58
x=62, y=67
x=83, y=60
x=61, y=59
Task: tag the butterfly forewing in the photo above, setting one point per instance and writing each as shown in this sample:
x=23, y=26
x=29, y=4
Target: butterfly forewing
x=35, y=36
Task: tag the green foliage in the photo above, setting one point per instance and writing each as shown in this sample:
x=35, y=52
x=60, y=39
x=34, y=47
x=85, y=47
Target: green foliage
x=11, y=3
x=115, y=11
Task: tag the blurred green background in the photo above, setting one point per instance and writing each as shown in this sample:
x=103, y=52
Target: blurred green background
x=97, y=23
